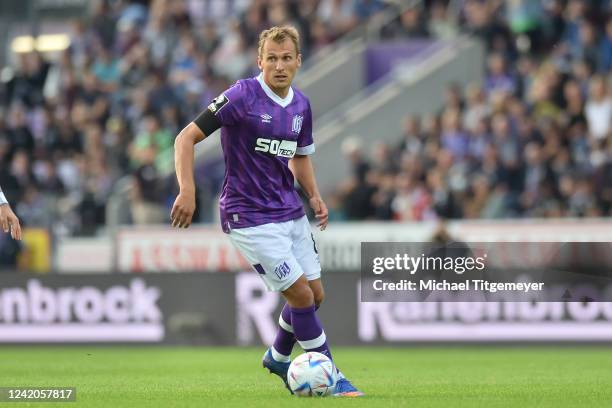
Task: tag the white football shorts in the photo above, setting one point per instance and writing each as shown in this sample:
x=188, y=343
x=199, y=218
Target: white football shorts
x=279, y=252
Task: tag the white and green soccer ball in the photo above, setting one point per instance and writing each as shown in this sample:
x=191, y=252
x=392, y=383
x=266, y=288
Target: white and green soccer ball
x=312, y=374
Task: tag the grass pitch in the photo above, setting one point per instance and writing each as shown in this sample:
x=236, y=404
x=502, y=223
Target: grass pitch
x=446, y=377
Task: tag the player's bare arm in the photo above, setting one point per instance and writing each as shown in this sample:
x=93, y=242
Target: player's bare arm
x=8, y=219
x=302, y=169
x=184, y=205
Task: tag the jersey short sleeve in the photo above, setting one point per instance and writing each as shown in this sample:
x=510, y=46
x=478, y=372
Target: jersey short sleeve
x=305, y=143
x=229, y=107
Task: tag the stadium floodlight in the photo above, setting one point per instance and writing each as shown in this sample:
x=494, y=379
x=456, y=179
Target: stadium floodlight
x=42, y=43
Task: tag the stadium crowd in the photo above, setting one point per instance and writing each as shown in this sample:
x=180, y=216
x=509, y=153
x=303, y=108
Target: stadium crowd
x=533, y=139
x=111, y=104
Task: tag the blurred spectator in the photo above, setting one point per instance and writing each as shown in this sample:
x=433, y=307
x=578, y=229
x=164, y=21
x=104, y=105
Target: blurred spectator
x=19, y=135
x=232, y=58
x=524, y=16
x=10, y=250
x=442, y=24
x=159, y=37
x=383, y=198
x=146, y=192
x=412, y=201
x=481, y=21
x=498, y=78
x=443, y=200
x=605, y=49
x=103, y=23
x=453, y=138
x=358, y=190
x=588, y=48
x=338, y=15
x=598, y=109
x=574, y=17
x=412, y=139
x=365, y=9
x=25, y=85
x=106, y=69
x=411, y=23
x=477, y=108
x=553, y=22
x=477, y=198
x=153, y=142
x=32, y=208
x=48, y=179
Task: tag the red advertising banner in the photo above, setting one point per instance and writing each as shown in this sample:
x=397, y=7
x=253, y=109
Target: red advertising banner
x=157, y=249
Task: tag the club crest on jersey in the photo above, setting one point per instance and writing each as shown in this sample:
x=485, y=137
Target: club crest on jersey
x=282, y=270
x=296, y=125
x=217, y=103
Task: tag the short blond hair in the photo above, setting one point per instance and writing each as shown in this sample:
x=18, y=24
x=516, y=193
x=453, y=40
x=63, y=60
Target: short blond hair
x=278, y=35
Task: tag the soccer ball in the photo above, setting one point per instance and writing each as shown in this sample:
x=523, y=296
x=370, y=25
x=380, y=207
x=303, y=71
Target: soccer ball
x=312, y=374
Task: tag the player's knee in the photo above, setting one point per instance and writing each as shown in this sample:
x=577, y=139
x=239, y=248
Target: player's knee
x=299, y=295
x=304, y=296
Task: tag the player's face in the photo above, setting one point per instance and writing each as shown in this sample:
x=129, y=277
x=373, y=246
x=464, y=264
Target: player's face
x=279, y=62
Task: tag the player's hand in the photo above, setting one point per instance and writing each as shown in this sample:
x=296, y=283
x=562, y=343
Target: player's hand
x=183, y=209
x=320, y=210
x=10, y=222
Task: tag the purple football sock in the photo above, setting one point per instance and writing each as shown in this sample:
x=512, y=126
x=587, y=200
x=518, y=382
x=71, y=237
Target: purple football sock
x=285, y=340
x=308, y=330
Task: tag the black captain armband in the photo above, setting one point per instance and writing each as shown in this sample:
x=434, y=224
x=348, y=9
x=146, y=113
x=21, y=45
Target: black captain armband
x=207, y=122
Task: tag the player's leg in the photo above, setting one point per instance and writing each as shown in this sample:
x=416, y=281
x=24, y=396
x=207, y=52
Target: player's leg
x=306, y=326
x=268, y=248
x=285, y=339
x=305, y=250
x=309, y=332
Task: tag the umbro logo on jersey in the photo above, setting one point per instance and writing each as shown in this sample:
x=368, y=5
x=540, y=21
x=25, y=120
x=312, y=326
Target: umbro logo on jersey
x=265, y=118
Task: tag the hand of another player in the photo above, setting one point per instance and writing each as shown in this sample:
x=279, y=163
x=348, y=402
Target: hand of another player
x=321, y=213
x=10, y=222
x=182, y=210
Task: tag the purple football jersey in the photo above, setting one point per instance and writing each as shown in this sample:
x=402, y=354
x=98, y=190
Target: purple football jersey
x=260, y=132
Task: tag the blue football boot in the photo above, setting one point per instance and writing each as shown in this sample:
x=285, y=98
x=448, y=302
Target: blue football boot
x=344, y=388
x=276, y=367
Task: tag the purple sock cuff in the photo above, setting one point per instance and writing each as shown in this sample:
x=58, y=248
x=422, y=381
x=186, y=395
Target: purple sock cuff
x=286, y=313
x=303, y=310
